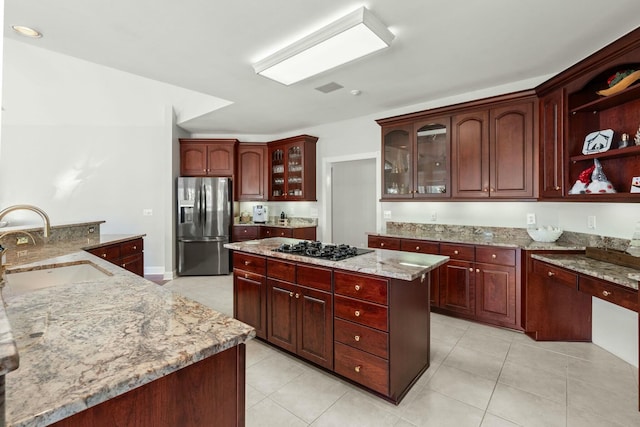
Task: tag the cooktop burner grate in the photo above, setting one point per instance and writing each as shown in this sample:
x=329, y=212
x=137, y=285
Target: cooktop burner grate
x=316, y=249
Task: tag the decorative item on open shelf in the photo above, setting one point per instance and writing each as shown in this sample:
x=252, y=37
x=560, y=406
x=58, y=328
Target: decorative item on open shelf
x=597, y=142
x=620, y=81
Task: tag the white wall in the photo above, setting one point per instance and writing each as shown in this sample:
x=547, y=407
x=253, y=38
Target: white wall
x=86, y=142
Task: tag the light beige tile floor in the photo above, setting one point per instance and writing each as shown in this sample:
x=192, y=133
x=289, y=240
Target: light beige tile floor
x=479, y=376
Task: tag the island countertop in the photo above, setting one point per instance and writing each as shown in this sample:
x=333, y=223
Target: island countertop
x=380, y=262
x=80, y=344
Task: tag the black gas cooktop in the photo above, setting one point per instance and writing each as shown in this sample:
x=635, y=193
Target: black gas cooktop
x=318, y=250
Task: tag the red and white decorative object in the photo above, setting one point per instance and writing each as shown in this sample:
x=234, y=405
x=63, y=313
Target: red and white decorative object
x=599, y=182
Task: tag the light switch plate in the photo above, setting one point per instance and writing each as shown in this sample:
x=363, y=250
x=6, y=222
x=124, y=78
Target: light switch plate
x=386, y=214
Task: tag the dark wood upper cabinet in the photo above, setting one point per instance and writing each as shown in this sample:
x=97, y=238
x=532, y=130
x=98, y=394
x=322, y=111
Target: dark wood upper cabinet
x=251, y=173
x=207, y=157
x=551, y=144
x=580, y=111
x=481, y=149
x=292, y=168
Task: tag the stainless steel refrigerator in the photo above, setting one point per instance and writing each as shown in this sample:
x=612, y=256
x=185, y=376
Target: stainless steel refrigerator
x=204, y=225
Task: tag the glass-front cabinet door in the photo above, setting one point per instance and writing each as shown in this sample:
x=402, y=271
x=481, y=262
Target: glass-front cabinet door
x=278, y=188
x=295, y=169
x=432, y=158
x=397, y=162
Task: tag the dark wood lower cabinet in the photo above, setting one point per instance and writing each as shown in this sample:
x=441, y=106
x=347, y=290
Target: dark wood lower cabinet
x=457, y=287
x=371, y=330
x=250, y=291
x=556, y=310
x=300, y=319
x=210, y=392
x=127, y=254
x=495, y=293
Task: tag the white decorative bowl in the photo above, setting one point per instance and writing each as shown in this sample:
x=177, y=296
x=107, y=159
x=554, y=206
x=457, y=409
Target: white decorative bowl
x=545, y=234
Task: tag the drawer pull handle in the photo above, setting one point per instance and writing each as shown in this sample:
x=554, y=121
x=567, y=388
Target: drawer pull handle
x=357, y=338
x=455, y=252
x=382, y=245
x=494, y=256
x=291, y=294
x=357, y=313
x=357, y=287
x=417, y=248
x=606, y=293
x=551, y=274
x=357, y=368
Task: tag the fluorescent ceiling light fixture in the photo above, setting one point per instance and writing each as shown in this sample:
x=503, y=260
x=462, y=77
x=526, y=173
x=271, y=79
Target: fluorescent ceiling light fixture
x=350, y=37
x=26, y=31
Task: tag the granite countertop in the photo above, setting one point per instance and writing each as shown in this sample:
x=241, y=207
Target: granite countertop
x=275, y=224
x=624, y=276
x=490, y=239
x=39, y=252
x=380, y=262
x=80, y=344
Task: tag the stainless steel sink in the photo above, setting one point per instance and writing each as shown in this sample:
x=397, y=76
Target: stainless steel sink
x=20, y=282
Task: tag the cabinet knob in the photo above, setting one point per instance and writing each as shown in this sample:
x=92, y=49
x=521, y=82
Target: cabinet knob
x=381, y=245
x=417, y=248
x=493, y=190
x=557, y=188
x=245, y=230
x=247, y=263
x=485, y=190
x=357, y=287
x=456, y=252
x=357, y=313
x=135, y=247
x=477, y=270
x=551, y=274
x=471, y=269
x=297, y=295
x=246, y=276
x=606, y=293
x=494, y=256
x=357, y=338
x=357, y=368
x=104, y=255
x=124, y=265
x=291, y=294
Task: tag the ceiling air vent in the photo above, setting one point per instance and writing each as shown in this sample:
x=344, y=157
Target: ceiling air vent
x=329, y=87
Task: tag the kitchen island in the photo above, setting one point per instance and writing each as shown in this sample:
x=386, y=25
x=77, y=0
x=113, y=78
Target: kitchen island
x=365, y=318
x=118, y=350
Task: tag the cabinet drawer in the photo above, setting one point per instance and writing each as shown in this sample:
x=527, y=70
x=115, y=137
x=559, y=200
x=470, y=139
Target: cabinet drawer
x=276, y=232
x=131, y=247
x=558, y=274
x=110, y=253
x=364, y=368
x=314, y=277
x=245, y=232
x=362, y=287
x=256, y=277
x=421, y=246
x=384, y=242
x=364, y=313
x=493, y=255
x=247, y=262
x=282, y=270
x=460, y=252
x=627, y=298
x=361, y=337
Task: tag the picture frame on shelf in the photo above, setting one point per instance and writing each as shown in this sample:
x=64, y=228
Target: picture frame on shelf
x=597, y=142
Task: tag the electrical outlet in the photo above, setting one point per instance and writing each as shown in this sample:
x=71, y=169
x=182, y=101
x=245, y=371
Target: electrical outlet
x=591, y=222
x=434, y=216
x=531, y=219
x=147, y=212
x=386, y=214
x=92, y=230
x=22, y=240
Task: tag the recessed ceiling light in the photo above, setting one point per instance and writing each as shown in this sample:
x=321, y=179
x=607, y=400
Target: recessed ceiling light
x=26, y=31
